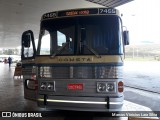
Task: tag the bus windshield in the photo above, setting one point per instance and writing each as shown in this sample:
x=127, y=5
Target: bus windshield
x=83, y=35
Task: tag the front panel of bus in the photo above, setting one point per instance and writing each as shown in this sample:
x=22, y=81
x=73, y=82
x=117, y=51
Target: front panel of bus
x=79, y=63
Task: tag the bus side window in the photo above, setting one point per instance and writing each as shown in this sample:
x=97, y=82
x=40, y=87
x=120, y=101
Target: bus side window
x=45, y=44
x=61, y=39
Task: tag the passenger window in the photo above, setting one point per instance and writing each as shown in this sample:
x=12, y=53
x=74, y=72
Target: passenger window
x=45, y=44
x=65, y=43
x=61, y=39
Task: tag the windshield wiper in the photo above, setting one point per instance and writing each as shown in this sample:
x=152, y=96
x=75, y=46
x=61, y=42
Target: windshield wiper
x=93, y=51
x=60, y=50
x=83, y=42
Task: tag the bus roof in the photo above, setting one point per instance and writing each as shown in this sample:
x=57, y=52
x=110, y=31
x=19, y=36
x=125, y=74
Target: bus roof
x=80, y=12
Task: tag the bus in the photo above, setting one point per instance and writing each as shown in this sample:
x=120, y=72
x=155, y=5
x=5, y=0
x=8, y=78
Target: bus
x=78, y=62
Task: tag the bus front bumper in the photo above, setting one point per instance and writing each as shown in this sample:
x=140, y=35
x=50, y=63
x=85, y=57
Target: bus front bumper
x=81, y=103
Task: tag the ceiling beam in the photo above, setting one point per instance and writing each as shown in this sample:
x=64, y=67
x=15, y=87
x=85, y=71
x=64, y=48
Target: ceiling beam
x=110, y=3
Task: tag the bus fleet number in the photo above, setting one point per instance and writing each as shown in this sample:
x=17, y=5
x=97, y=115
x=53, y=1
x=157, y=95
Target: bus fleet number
x=107, y=11
x=50, y=15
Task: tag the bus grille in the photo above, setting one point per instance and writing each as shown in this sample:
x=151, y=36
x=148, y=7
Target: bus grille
x=95, y=72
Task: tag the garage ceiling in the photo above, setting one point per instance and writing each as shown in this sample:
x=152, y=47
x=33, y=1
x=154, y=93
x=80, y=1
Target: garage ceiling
x=110, y=3
x=17, y=16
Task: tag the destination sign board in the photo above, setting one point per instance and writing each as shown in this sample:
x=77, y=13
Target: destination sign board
x=79, y=12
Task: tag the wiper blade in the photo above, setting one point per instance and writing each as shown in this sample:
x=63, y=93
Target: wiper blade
x=83, y=39
x=93, y=51
x=60, y=50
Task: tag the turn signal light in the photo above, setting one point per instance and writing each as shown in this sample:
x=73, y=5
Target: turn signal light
x=120, y=86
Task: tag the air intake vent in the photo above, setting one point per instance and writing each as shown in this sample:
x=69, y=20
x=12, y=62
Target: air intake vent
x=90, y=72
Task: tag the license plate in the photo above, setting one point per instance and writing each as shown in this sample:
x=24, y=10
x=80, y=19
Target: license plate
x=78, y=86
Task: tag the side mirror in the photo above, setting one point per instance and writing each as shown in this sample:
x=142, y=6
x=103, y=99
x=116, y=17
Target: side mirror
x=28, y=49
x=26, y=40
x=126, y=37
x=27, y=37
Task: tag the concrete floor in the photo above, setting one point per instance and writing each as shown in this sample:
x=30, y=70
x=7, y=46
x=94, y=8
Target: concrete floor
x=12, y=96
x=144, y=75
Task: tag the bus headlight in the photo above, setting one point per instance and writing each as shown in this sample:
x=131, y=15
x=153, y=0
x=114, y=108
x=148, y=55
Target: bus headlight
x=43, y=86
x=101, y=87
x=105, y=87
x=50, y=86
x=110, y=87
